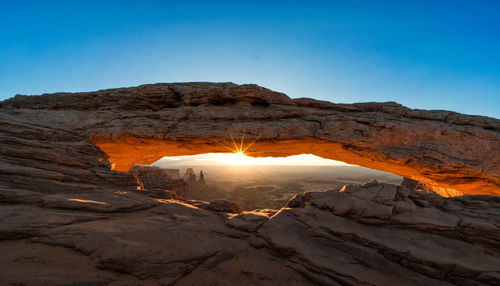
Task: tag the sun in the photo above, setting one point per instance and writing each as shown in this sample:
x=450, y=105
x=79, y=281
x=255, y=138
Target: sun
x=235, y=159
x=239, y=148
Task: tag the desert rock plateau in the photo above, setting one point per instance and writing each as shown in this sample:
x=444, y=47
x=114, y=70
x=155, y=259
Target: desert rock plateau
x=74, y=213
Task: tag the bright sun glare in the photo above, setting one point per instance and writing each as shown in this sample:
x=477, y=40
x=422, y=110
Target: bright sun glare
x=235, y=159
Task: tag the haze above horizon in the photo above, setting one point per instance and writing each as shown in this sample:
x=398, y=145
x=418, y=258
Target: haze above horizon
x=425, y=54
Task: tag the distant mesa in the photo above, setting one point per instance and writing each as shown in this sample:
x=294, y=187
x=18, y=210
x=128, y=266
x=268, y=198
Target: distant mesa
x=151, y=177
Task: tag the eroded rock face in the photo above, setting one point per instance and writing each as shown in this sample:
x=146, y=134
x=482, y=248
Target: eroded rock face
x=450, y=152
x=416, y=186
x=189, y=176
x=46, y=159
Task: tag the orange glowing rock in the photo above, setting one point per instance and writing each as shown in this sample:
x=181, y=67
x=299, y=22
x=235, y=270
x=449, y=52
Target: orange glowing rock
x=125, y=154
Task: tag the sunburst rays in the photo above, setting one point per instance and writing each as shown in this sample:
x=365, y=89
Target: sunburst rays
x=239, y=146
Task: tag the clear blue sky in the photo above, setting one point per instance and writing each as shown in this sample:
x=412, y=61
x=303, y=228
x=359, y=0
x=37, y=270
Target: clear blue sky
x=424, y=54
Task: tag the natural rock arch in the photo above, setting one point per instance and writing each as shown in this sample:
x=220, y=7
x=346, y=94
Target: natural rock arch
x=451, y=152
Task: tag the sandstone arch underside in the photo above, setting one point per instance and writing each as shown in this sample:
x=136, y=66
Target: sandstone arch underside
x=452, y=153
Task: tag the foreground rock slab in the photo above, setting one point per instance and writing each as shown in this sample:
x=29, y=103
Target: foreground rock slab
x=374, y=234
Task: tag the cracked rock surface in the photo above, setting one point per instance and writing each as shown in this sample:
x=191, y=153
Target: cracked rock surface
x=358, y=235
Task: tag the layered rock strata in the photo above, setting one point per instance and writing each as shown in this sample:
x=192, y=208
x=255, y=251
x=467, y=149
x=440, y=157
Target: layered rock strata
x=450, y=152
x=47, y=158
